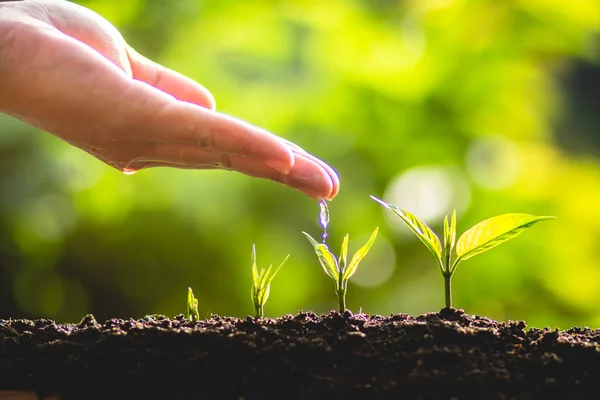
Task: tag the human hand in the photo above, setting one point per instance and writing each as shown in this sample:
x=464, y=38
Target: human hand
x=68, y=71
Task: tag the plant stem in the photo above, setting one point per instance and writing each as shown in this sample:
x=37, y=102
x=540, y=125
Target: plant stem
x=342, y=300
x=448, y=289
x=259, y=312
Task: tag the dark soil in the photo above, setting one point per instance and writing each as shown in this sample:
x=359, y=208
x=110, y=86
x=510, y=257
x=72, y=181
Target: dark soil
x=434, y=356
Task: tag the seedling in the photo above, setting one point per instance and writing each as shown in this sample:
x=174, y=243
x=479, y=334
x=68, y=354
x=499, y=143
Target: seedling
x=338, y=270
x=192, y=306
x=261, y=284
x=479, y=238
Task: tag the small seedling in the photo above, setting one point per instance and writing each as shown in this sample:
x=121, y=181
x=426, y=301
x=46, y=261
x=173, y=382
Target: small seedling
x=192, y=306
x=338, y=270
x=479, y=238
x=261, y=284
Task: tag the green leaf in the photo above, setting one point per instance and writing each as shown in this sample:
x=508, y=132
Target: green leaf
x=254, y=293
x=450, y=233
x=254, y=267
x=263, y=276
x=277, y=270
x=192, y=306
x=263, y=295
x=359, y=255
x=327, y=260
x=261, y=281
x=493, y=231
x=419, y=228
x=344, y=254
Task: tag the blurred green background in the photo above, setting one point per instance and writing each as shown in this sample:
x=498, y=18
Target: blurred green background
x=485, y=106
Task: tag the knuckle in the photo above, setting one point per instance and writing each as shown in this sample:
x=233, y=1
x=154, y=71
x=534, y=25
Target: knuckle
x=203, y=142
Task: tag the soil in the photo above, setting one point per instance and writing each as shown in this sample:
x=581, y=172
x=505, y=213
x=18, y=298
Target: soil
x=446, y=355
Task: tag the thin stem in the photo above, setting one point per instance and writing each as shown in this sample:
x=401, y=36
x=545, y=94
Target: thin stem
x=448, y=289
x=259, y=311
x=447, y=259
x=342, y=300
x=341, y=288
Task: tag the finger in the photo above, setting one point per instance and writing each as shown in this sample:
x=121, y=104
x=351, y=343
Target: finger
x=306, y=175
x=169, y=81
x=335, y=180
x=332, y=173
x=187, y=125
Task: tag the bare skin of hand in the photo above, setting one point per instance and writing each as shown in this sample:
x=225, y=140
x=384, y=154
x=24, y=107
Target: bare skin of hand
x=68, y=71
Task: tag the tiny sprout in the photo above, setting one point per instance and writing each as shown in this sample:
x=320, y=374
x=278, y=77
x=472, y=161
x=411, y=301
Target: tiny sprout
x=192, y=306
x=481, y=237
x=340, y=271
x=261, y=284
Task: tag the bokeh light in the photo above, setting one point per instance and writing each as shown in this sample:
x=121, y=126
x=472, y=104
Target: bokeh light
x=428, y=192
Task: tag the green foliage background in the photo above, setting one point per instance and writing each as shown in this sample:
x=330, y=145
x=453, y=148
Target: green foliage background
x=478, y=105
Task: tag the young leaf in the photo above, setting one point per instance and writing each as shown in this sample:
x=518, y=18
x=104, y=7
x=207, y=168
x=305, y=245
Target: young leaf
x=254, y=267
x=344, y=253
x=261, y=283
x=277, y=270
x=192, y=306
x=450, y=233
x=493, y=231
x=359, y=255
x=263, y=295
x=419, y=228
x=254, y=292
x=263, y=276
x=327, y=260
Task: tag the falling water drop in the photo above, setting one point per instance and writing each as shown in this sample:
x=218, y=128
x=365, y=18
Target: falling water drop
x=324, y=217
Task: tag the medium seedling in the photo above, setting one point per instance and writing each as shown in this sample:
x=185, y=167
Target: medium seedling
x=338, y=270
x=192, y=306
x=479, y=238
x=261, y=284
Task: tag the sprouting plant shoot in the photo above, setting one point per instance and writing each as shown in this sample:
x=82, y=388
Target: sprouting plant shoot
x=338, y=269
x=261, y=284
x=481, y=237
x=192, y=306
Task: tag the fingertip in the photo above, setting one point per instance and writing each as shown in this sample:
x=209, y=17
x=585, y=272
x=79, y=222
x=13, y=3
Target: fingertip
x=335, y=180
x=312, y=180
x=333, y=175
x=208, y=99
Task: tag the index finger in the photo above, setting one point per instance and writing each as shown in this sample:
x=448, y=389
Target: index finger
x=188, y=124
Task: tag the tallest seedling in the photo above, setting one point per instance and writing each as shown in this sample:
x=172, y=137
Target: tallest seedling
x=481, y=237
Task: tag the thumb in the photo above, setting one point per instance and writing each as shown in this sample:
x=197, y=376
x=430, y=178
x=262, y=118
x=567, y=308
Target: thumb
x=169, y=81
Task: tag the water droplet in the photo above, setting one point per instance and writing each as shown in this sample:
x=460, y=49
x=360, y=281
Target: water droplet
x=324, y=217
x=129, y=171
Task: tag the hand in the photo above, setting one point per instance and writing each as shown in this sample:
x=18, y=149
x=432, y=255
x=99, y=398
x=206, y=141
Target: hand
x=68, y=71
